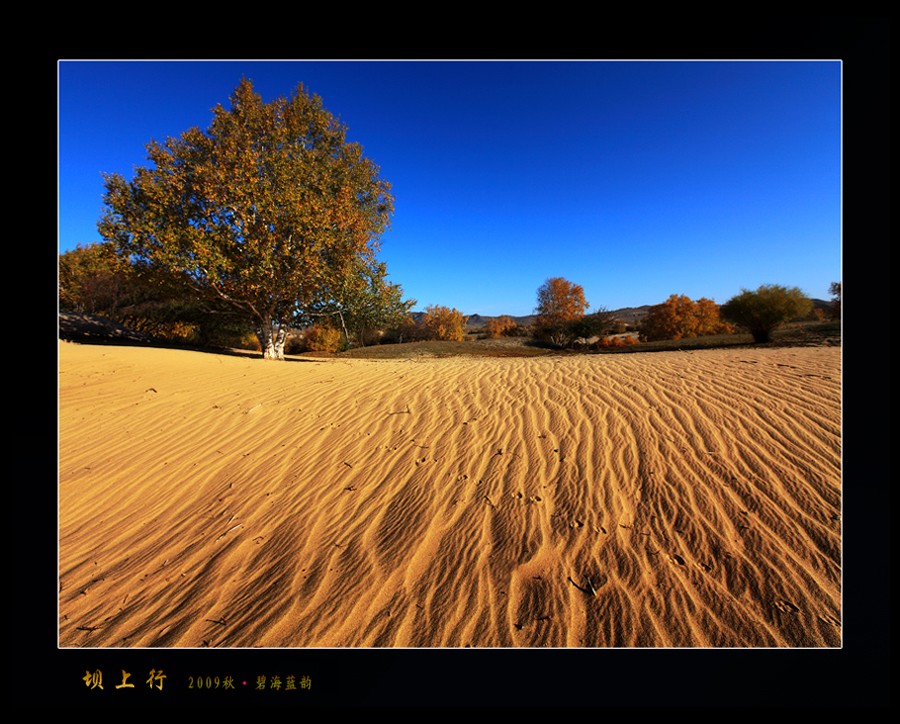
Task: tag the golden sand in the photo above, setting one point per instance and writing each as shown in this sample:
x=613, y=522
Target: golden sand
x=672, y=499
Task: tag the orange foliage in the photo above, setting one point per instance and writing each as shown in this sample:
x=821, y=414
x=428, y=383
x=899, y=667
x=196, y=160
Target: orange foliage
x=679, y=317
x=322, y=339
x=559, y=300
x=615, y=342
x=443, y=323
x=498, y=326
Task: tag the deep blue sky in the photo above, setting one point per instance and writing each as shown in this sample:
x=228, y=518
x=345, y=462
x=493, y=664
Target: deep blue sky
x=636, y=180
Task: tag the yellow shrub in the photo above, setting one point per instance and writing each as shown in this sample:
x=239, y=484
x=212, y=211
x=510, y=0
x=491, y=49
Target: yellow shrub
x=444, y=324
x=250, y=341
x=499, y=326
x=322, y=339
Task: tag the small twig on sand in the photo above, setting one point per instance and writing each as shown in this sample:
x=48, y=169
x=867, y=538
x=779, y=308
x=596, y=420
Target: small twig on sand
x=590, y=590
x=220, y=621
x=490, y=503
x=402, y=412
x=229, y=531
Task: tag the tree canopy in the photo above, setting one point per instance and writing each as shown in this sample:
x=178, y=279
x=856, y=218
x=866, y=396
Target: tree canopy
x=835, y=291
x=559, y=303
x=360, y=300
x=679, y=317
x=443, y=323
x=93, y=279
x=268, y=211
x=765, y=309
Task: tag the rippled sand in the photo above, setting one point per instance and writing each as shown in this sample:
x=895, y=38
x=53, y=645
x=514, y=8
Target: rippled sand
x=676, y=499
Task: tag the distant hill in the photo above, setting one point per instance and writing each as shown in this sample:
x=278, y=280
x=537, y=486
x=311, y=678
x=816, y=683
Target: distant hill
x=478, y=321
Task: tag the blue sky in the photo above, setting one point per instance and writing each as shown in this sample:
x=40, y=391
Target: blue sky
x=636, y=180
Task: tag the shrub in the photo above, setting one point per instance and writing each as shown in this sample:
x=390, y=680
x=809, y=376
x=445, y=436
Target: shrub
x=442, y=323
x=405, y=330
x=294, y=344
x=180, y=332
x=250, y=341
x=616, y=342
x=767, y=308
x=320, y=338
x=596, y=324
x=680, y=317
x=500, y=327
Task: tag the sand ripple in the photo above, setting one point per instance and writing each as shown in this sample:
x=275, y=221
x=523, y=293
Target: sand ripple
x=683, y=499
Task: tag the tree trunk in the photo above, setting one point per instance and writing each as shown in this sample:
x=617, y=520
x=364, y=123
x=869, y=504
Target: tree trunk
x=271, y=340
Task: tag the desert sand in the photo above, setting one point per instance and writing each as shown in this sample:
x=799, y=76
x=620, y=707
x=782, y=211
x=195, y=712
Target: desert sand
x=654, y=500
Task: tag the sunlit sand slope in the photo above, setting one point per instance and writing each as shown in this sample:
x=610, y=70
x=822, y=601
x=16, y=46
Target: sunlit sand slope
x=676, y=499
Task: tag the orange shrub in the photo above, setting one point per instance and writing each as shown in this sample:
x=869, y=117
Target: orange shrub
x=616, y=342
x=679, y=317
x=444, y=324
x=250, y=341
x=322, y=339
x=499, y=326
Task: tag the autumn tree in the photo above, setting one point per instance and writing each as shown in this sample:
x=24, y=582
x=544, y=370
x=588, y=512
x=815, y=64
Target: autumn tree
x=443, y=323
x=680, y=317
x=559, y=303
x=596, y=324
x=260, y=211
x=499, y=326
x=763, y=310
x=93, y=279
x=835, y=291
x=322, y=338
x=709, y=318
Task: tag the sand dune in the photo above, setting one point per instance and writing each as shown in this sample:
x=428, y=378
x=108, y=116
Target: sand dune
x=674, y=499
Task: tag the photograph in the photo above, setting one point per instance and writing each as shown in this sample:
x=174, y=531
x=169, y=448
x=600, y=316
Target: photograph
x=445, y=358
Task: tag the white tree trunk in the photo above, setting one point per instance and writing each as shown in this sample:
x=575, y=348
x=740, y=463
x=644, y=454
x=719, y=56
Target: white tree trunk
x=271, y=340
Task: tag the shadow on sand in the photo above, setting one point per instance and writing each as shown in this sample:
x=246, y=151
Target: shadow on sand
x=87, y=329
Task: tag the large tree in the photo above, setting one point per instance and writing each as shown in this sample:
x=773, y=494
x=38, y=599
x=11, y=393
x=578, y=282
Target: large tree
x=763, y=310
x=559, y=304
x=261, y=211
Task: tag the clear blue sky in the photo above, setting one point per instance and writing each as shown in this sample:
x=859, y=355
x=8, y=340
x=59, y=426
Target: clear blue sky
x=636, y=180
